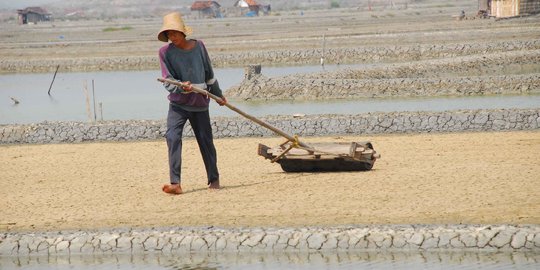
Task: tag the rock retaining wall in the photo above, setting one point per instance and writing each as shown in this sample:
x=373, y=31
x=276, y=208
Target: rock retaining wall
x=312, y=125
x=186, y=240
x=370, y=54
x=285, y=57
x=265, y=88
x=465, y=75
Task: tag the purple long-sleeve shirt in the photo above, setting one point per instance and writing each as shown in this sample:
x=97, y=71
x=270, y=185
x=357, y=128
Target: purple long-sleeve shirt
x=188, y=65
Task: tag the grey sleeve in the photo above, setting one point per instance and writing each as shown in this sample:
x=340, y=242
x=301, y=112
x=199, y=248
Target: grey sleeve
x=174, y=89
x=211, y=81
x=215, y=89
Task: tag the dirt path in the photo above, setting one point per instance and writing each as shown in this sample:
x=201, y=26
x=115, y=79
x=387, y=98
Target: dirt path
x=442, y=178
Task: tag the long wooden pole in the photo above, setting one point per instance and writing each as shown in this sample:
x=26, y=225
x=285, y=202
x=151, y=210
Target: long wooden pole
x=85, y=89
x=230, y=106
x=94, y=99
x=49, y=92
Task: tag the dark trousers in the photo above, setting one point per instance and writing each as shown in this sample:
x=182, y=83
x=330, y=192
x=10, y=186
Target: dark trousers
x=200, y=123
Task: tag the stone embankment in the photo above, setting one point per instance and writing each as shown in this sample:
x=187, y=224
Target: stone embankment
x=311, y=125
x=210, y=239
x=310, y=56
x=374, y=54
x=494, y=73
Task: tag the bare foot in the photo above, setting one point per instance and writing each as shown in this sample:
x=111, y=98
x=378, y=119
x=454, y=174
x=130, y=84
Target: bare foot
x=174, y=189
x=214, y=185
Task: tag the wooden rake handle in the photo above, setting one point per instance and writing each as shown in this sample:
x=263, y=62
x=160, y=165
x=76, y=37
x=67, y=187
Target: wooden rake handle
x=230, y=106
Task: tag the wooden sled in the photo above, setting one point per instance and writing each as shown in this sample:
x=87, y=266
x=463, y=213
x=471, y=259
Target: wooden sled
x=327, y=157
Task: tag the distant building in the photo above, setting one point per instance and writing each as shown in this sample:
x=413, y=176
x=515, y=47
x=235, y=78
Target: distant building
x=251, y=7
x=509, y=8
x=209, y=9
x=33, y=15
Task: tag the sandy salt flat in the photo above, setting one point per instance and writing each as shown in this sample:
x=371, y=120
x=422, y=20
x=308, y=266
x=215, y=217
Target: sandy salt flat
x=427, y=178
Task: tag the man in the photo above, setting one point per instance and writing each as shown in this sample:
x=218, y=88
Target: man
x=186, y=60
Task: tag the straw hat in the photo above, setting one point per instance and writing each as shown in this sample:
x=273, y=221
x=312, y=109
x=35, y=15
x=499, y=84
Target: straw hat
x=173, y=21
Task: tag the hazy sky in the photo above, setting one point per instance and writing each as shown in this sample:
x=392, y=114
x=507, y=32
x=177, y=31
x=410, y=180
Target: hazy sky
x=23, y=3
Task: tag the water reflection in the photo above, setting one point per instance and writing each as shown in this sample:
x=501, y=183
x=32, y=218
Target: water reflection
x=279, y=260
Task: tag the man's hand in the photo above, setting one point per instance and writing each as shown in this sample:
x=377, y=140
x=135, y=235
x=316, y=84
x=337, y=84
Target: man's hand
x=188, y=87
x=222, y=102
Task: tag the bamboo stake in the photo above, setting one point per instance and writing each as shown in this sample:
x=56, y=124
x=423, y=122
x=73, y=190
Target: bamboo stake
x=94, y=99
x=323, y=50
x=85, y=90
x=49, y=92
x=101, y=110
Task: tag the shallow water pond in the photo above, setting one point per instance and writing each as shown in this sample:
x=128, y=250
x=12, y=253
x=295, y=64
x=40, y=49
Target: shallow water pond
x=126, y=95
